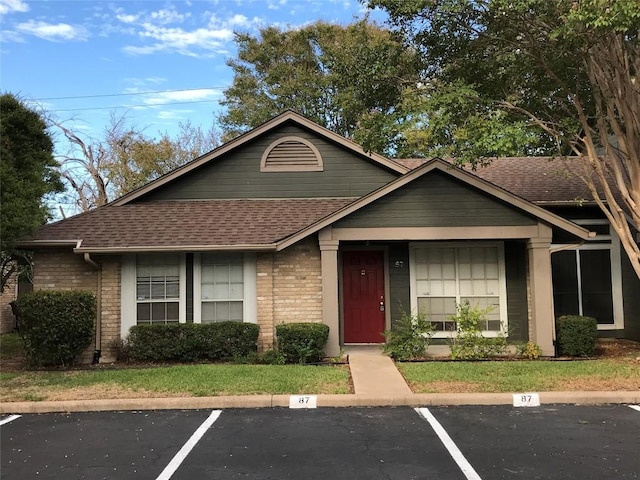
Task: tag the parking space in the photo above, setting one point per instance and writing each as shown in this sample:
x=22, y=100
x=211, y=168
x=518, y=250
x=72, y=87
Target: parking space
x=111, y=445
x=549, y=442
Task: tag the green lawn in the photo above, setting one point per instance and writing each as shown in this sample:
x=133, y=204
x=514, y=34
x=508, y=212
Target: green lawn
x=519, y=376
x=181, y=380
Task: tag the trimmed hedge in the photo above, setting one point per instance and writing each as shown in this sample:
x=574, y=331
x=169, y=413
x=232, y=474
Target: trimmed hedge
x=56, y=326
x=189, y=342
x=302, y=342
x=577, y=335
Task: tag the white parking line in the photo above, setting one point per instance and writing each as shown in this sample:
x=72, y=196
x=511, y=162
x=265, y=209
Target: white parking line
x=187, y=447
x=9, y=419
x=454, y=451
x=635, y=407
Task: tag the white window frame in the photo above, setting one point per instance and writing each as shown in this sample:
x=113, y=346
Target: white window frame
x=616, y=269
x=502, y=282
x=249, y=301
x=128, y=301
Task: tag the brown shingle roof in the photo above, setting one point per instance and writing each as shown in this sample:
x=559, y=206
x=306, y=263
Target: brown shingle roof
x=541, y=180
x=202, y=223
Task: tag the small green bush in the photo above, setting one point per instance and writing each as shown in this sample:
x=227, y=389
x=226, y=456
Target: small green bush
x=302, y=342
x=577, y=335
x=409, y=337
x=529, y=350
x=56, y=326
x=469, y=343
x=188, y=342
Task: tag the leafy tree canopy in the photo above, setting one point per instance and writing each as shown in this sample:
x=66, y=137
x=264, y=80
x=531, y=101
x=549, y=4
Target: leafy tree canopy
x=329, y=73
x=27, y=176
x=526, y=77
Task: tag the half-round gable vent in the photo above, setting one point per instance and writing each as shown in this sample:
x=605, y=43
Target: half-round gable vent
x=291, y=154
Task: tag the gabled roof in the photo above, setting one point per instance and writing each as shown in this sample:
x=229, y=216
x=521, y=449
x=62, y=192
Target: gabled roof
x=540, y=180
x=287, y=116
x=186, y=225
x=457, y=173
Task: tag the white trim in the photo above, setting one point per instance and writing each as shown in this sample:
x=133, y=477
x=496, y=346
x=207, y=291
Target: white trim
x=292, y=167
x=128, y=302
x=127, y=294
x=249, y=301
x=502, y=281
x=250, y=304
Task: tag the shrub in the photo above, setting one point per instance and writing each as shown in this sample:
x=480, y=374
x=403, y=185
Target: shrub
x=529, y=350
x=469, y=343
x=409, y=337
x=271, y=357
x=189, y=342
x=56, y=326
x=302, y=342
x=577, y=335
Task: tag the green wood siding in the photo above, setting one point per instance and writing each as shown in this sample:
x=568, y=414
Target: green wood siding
x=631, y=299
x=399, y=288
x=515, y=258
x=436, y=199
x=237, y=174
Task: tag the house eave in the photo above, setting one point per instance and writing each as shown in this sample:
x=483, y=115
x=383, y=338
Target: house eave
x=176, y=248
x=29, y=244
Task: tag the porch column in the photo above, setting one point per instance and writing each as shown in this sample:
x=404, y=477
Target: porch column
x=541, y=291
x=330, y=314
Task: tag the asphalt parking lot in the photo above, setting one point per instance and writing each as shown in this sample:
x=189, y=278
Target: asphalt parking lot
x=483, y=442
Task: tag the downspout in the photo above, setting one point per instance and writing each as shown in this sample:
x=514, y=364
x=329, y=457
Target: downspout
x=97, y=353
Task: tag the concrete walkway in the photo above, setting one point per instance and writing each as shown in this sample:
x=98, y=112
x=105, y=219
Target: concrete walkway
x=374, y=373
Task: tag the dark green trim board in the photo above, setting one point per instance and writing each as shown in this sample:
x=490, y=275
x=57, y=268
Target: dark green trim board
x=515, y=259
x=436, y=199
x=237, y=174
x=630, y=298
x=399, y=288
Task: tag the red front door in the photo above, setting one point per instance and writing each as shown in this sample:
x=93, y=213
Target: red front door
x=363, y=296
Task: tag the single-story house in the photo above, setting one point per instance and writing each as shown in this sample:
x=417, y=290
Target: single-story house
x=293, y=223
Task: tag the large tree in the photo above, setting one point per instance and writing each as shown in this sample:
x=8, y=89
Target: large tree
x=27, y=175
x=98, y=170
x=503, y=77
x=332, y=74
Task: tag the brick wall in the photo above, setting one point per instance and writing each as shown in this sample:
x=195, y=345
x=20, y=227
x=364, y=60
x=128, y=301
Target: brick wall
x=289, y=288
x=7, y=320
x=61, y=269
x=110, y=306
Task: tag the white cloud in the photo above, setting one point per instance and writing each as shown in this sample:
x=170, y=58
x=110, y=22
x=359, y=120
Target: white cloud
x=276, y=4
x=53, y=32
x=10, y=6
x=173, y=114
x=127, y=18
x=201, y=94
x=177, y=40
x=167, y=16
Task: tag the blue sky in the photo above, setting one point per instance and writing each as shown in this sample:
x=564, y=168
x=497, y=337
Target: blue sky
x=81, y=60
